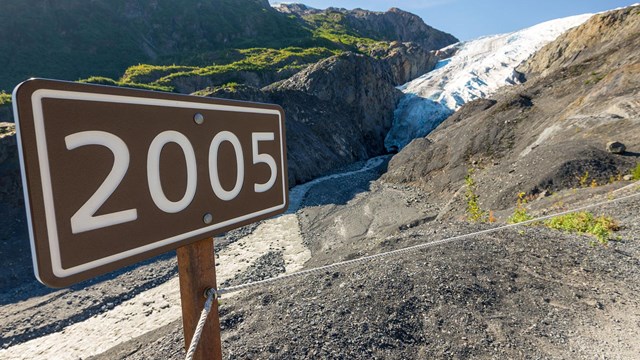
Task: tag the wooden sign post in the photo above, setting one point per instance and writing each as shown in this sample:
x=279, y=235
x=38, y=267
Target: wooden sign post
x=167, y=170
x=196, y=266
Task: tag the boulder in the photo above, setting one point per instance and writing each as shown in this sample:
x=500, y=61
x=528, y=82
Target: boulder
x=616, y=147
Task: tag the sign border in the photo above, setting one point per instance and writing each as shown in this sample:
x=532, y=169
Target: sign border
x=45, y=174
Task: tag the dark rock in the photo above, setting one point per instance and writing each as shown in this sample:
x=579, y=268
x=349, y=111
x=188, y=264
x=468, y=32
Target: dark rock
x=362, y=85
x=616, y=147
x=238, y=92
x=6, y=113
x=338, y=112
x=267, y=266
x=448, y=51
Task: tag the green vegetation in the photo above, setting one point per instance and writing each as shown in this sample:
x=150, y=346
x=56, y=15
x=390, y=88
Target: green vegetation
x=594, y=78
x=520, y=214
x=250, y=60
x=81, y=38
x=145, y=73
x=475, y=213
x=5, y=99
x=100, y=80
x=584, y=179
x=635, y=172
x=332, y=26
x=602, y=227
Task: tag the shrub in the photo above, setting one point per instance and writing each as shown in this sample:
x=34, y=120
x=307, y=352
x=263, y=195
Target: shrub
x=635, y=172
x=100, y=80
x=476, y=214
x=584, y=222
x=253, y=60
x=583, y=180
x=520, y=213
x=5, y=99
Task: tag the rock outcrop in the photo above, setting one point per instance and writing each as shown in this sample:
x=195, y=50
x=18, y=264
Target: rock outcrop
x=604, y=34
x=407, y=61
x=547, y=133
x=359, y=83
x=338, y=112
x=392, y=25
x=190, y=84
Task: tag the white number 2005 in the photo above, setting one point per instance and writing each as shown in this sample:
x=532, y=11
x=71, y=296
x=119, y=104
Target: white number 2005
x=85, y=219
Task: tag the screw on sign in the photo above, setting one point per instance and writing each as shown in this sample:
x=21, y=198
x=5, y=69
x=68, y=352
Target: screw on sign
x=113, y=176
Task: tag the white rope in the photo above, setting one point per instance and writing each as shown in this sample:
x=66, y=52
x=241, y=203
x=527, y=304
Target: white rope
x=211, y=294
x=255, y=284
x=214, y=294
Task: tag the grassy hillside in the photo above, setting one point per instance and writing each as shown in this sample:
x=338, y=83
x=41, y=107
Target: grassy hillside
x=74, y=39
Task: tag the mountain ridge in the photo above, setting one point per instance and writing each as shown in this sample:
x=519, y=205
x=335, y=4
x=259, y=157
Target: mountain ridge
x=80, y=39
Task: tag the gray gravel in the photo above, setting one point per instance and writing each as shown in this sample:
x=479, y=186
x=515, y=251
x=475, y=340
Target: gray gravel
x=530, y=293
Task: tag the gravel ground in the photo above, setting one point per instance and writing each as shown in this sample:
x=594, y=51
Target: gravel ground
x=521, y=293
x=526, y=293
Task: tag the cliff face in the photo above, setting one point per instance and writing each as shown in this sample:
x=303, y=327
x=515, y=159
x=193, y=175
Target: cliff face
x=338, y=111
x=581, y=94
x=407, y=61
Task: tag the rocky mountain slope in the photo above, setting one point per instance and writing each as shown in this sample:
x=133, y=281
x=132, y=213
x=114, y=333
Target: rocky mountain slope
x=338, y=112
x=548, y=133
x=471, y=70
x=337, y=35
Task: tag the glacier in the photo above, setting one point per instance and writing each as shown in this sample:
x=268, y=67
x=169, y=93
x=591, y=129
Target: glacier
x=476, y=70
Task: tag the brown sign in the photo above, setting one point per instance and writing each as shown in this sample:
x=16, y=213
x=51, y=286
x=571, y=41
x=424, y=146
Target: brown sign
x=113, y=176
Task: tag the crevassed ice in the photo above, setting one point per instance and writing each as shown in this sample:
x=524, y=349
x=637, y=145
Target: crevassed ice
x=477, y=70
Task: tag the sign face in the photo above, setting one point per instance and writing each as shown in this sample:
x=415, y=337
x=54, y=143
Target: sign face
x=113, y=176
